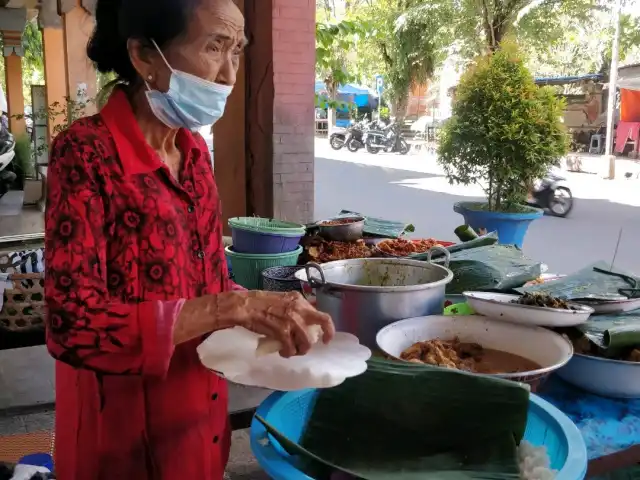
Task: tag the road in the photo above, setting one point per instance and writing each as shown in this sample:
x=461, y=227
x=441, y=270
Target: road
x=413, y=189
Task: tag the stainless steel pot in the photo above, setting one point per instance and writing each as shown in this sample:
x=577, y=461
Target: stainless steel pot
x=364, y=295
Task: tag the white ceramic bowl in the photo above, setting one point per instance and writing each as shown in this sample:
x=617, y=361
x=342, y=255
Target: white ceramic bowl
x=609, y=378
x=499, y=306
x=548, y=349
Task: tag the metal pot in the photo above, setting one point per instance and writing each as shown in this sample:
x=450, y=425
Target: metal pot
x=346, y=232
x=366, y=294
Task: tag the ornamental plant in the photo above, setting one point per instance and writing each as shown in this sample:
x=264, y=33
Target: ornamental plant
x=505, y=132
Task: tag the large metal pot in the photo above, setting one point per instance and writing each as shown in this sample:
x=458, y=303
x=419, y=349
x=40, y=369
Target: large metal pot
x=364, y=295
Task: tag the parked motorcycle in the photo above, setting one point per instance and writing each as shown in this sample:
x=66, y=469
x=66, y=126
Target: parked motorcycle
x=7, y=152
x=388, y=139
x=337, y=139
x=553, y=195
x=355, y=136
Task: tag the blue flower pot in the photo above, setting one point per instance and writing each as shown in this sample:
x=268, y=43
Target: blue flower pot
x=511, y=227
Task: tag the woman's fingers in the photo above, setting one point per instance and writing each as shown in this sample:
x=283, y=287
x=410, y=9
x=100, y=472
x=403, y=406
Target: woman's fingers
x=315, y=317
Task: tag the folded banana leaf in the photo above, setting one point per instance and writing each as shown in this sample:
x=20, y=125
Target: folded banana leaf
x=613, y=333
x=490, y=268
x=589, y=283
x=401, y=421
x=378, y=227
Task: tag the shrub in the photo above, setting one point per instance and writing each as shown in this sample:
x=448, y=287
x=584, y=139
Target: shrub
x=505, y=131
x=24, y=162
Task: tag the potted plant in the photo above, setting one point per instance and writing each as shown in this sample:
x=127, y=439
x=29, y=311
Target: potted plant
x=26, y=172
x=505, y=133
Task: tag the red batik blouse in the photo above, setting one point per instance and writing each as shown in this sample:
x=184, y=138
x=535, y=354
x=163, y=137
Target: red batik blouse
x=125, y=244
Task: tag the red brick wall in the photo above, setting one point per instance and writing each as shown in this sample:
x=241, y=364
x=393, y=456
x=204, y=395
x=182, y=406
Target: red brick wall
x=293, y=108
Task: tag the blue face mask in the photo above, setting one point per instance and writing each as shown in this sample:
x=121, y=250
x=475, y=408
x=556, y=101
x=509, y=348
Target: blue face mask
x=191, y=102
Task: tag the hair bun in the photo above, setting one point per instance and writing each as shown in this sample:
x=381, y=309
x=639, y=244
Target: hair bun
x=107, y=48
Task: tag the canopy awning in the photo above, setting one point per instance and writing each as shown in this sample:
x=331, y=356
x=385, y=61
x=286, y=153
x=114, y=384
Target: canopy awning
x=566, y=80
x=629, y=77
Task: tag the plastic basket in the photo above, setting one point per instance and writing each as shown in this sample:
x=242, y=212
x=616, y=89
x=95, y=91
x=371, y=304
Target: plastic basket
x=289, y=412
x=247, y=268
x=248, y=241
x=267, y=225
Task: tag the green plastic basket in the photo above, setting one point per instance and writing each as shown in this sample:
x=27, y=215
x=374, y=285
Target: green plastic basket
x=267, y=225
x=247, y=267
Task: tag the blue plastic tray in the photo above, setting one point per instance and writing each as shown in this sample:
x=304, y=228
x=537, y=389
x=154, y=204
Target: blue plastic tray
x=607, y=425
x=289, y=412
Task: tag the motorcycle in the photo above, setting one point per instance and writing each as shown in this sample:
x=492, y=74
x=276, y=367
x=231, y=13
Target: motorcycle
x=7, y=153
x=355, y=136
x=553, y=195
x=338, y=138
x=388, y=139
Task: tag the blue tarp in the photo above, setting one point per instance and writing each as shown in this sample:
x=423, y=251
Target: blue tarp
x=569, y=79
x=360, y=95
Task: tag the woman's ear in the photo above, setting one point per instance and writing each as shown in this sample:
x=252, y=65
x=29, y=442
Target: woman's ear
x=149, y=64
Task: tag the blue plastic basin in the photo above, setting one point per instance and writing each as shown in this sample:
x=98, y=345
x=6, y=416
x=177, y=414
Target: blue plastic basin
x=289, y=412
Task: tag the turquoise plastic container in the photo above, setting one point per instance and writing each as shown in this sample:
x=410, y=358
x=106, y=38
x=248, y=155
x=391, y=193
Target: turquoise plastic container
x=289, y=412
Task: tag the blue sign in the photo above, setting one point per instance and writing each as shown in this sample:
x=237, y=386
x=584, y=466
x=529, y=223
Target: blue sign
x=379, y=84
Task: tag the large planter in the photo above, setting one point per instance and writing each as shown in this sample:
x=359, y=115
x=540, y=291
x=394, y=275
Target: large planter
x=511, y=227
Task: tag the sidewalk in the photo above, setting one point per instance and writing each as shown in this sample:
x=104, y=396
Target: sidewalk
x=599, y=165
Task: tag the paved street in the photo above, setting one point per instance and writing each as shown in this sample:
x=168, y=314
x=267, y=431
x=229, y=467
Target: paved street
x=413, y=189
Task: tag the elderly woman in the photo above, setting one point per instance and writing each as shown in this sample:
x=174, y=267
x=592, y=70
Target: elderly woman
x=136, y=273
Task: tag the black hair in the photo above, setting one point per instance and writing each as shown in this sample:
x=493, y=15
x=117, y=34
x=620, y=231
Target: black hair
x=119, y=20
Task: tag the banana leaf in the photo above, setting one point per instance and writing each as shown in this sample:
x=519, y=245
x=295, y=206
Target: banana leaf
x=378, y=227
x=613, y=333
x=490, y=268
x=401, y=421
x=585, y=284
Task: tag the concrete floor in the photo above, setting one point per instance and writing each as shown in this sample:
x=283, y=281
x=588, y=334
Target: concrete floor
x=242, y=465
x=26, y=380
x=16, y=219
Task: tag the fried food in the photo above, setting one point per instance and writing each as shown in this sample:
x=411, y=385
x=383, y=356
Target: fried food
x=543, y=300
x=402, y=248
x=321, y=251
x=340, y=221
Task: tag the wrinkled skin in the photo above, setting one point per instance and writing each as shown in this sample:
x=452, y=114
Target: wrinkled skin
x=211, y=49
x=279, y=316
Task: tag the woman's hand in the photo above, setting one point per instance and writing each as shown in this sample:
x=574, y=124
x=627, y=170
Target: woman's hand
x=284, y=317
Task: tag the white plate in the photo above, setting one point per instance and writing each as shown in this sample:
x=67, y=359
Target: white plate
x=613, y=306
x=548, y=349
x=232, y=354
x=602, y=376
x=499, y=306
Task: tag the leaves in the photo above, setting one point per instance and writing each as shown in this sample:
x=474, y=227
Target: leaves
x=505, y=131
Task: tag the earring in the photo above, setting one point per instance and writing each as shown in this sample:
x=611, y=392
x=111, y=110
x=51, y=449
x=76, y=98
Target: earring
x=149, y=77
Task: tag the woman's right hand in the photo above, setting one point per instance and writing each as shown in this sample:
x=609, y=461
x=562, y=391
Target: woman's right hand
x=284, y=317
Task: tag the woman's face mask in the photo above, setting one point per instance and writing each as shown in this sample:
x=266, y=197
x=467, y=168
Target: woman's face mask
x=191, y=102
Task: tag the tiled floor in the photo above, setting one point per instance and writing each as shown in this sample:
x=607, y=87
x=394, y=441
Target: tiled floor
x=27, y=374
x=16, y=219
x=26, y=378
x=242, y=465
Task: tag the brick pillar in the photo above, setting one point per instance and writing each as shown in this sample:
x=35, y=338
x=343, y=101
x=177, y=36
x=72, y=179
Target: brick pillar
x=293, y=108
x=15, y=97
x=55, y=74
x=13, y=78
x=275, y=177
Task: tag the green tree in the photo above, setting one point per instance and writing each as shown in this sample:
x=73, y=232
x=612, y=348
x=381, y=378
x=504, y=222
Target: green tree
x=407, y=41
x=334, y=40
x=505, y=131
x=32, y=61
